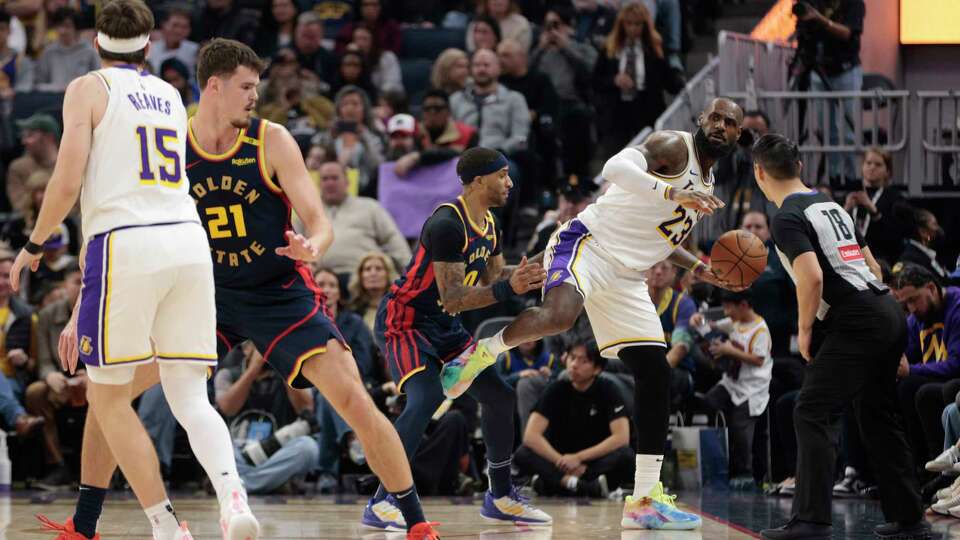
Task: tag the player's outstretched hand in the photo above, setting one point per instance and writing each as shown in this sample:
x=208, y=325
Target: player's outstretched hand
x=67, y=347
x=299, y=248
x=696, y=200
x=708, y=274
x=23, y=260
x=527, y=277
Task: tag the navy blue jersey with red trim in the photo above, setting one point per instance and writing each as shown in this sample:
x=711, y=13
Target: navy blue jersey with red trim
x=243, y=209
x=449, y=235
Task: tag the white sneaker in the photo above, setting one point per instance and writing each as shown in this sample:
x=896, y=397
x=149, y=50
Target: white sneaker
x=943, y=506
x=237, y=521
x=945, y=461
x=183, y=533
x=948, y=491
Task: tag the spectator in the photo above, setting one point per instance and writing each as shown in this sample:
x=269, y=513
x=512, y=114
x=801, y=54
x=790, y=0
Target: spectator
x=173, y=42
x=530, y=359
x=383, y=64
x=484, y=33
x=668, y=20
x=175, y=72
x=450, y=71
x=293, y=97
x=438, y=130
x=225, y=19
x=277, y=27
x=577, y=441
x=510, y=23
x=500, y=114
x=385, y=32
x=260, y=406
x=55, y=389
x=932, y=357
x=369, y=283
x=16, y=232
x=674, y=309
x=828, y=59
x=360, y=224
x=876, y=208
x=629, y=76
x=40, y=135
x=407, y=148
x=67, y=58
x=390, y=103
x=354, y=71
x=334, y=14
x=743, y=392
x=925, y=236
x=308, y=42
x=15, y=68
x=16, y=367
x=569, y=64
x=54, y=261
x=13, y=414
x=355, y=139
x=773, y=294
x=574, y=198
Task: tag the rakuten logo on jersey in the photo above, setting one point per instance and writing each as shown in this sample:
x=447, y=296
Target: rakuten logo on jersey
x=850, y=253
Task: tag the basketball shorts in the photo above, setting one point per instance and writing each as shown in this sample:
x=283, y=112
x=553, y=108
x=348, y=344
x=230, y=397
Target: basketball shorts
x=286, y=319
x=408, y=349
x=615, y=297
x=147, y=293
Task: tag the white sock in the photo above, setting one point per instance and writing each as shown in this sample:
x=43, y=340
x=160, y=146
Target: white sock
x=647, y=474
x=571, y=483
x=495, y=344
x=163, y=520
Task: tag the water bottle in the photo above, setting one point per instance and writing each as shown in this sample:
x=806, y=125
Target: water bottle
x=5, y=466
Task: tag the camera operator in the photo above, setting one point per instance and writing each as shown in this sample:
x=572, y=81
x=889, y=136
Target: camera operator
x=828, y=59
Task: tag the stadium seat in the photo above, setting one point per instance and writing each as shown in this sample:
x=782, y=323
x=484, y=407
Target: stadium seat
x=430, y=42
x=416, y=79
x=491, y=326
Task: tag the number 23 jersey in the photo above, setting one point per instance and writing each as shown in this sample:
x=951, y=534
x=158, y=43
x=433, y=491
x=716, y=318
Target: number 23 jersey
x=243, y=209
x=642, y=230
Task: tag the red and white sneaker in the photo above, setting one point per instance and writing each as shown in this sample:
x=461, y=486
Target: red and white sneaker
x=424, y=531
x=237, y=521
x=65, y=530
x=183, y=533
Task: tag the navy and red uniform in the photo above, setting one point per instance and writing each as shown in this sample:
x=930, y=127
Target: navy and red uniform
x=412, y=327
x=267, y=298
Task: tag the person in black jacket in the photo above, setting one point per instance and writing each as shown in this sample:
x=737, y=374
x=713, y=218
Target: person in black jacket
x=920, y=248
x=629, y=75
x=876, y=208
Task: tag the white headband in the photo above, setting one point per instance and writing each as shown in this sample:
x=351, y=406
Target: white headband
x=122, y=46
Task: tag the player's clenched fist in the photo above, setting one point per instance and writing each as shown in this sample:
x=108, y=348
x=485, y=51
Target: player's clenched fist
x=527, y=277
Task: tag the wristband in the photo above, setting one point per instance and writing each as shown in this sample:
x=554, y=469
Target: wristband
x=32, y=248
x=502, y=290
x=696, y=265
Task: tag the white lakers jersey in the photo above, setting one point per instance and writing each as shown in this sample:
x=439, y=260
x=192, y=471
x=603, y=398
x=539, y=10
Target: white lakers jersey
x=642, y=230
x=136, y=173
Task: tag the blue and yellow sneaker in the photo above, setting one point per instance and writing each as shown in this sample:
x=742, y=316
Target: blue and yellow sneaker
x=513, y=508
x=383, y=516
x=657, y=511
x=457, y=375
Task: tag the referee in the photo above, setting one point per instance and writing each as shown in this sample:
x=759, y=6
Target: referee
x=864, y=335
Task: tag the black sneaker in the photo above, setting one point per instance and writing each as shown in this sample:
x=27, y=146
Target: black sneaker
x=594, y=489
x=56, y=480
x=929, y=490
x=919, y=530
x=799, y=530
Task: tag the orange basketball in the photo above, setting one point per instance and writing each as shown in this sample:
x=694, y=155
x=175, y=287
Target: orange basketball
x=738, y=257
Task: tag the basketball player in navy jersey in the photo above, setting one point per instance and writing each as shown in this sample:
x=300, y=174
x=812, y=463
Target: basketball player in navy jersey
x=246, y=176
x=457, y=266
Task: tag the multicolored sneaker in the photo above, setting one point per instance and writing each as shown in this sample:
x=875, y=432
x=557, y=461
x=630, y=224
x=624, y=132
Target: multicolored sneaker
x=513, y=508
x=457, y=375
x=657, y=511
x=66, y=530
x=424, y=531
x=383, y=516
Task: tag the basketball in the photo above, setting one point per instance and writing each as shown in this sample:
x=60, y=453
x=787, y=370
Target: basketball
x=738, y=257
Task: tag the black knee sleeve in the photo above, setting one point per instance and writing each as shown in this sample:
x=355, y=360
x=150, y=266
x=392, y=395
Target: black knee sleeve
x=651, y=374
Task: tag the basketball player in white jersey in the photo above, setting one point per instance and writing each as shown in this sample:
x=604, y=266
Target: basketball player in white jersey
x=148, y=291
x=597, y=261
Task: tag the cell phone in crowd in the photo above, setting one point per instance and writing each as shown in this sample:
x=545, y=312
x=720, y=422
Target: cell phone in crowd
x=344, y=126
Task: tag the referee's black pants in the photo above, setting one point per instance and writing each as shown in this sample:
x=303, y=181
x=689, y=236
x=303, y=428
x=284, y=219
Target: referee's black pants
x=855, y=364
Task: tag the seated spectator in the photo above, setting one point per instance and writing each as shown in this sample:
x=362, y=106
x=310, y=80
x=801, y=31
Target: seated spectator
x=573, y=199
x=932, y=357
x=450, y=71
x=173, y=43
x=360, y=224
x=54, y=388
x=16, y=71
x=629, y=77
x=54, y=262
x=390, y=103
x=15, y=317
x=569, y=64
x=369, y=283
x=17, y=231
x=439, y=130
x=577, y=440
x=40, y=135
x=674, y=309
x=407, y=150
x=67, y=58
x=530, y=359
x=774, y=295
x=260, y=406
x=294, y=98
x=483, y=33
x=925, y=235
x=510, y=23
x=354, y=136
x=225, y=19
x=173, y=71
x=386, y=32
x=308, y=42
x=13, y=414
x=354, y=71
x=876, y=209
x=277, y=27
x=743, y=392
x=383, y=64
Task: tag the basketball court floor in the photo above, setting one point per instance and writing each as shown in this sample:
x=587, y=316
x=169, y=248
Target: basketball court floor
x=726, y=516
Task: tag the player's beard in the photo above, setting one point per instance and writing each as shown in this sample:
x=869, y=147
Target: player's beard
x=711, y=149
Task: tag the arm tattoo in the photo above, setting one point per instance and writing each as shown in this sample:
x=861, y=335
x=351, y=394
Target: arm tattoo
x=495, y=270
x=456, y=296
